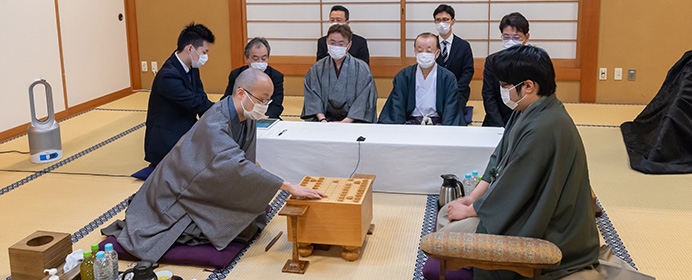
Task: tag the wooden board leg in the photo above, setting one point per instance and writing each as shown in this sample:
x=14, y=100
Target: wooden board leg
x=350, y=253
x=298, y=267
x=305, y=249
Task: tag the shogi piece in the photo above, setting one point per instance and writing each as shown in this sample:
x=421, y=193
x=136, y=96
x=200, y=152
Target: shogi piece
x=341, y=218
x=38, y=251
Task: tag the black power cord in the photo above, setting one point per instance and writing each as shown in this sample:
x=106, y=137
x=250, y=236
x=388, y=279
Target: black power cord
x=359, y=140
x=13, y=151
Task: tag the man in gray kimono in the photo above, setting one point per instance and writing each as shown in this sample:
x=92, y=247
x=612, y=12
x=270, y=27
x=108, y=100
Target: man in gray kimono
x=339, y=87
x=208, y=188
x=536, y=183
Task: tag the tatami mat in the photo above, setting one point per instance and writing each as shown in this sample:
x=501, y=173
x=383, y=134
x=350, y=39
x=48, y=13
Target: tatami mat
x=56, y=202
x=389, y=253
x=77, y=134
x=650, y=212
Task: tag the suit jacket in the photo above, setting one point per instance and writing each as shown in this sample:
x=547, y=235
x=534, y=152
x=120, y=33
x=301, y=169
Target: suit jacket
x=175, y=102
x=496, y=112
x=276, y=107
x=359, y=48
x=402, y=100
x=460, y=62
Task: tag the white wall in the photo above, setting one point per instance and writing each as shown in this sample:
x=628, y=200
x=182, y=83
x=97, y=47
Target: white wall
x=28, y=51
x=94, y=51
x=94, y=45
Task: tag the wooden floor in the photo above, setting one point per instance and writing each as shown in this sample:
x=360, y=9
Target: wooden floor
x=651, y=213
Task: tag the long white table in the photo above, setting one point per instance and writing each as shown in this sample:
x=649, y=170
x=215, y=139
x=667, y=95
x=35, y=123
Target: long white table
x=405, y=158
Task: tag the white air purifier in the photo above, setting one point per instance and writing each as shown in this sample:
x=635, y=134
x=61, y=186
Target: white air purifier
x=44, y=135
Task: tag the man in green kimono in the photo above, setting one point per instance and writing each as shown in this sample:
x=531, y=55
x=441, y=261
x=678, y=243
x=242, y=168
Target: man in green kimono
x=208, y=189
x=339, y=88
x=424, y=93
x=536, y=183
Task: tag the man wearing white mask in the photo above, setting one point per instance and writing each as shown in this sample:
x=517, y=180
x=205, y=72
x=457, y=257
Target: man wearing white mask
x=339, y=88
x=257, y=56
x=359, y=45
x=423, y=93
x=208, y=189
x=455, y=54
x=515, y=31
x=536, y=183
x=177, y=95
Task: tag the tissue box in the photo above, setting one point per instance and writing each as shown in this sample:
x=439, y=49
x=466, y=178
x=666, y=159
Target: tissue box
x=38, y=251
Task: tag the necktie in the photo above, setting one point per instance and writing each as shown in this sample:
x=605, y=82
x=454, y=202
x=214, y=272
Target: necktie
x=444, y=50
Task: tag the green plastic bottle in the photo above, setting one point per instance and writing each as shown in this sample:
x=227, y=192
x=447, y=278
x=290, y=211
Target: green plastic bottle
x=86, y=269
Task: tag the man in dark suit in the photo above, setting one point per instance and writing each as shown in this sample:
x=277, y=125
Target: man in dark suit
x=515, y=31
x=257, y=56
x=359, y=46
x=455, y=55
x=177, y=95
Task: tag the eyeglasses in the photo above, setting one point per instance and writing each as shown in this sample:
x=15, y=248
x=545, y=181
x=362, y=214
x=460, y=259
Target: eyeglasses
x=514, y=37
x=445, y=20
x=261, y=101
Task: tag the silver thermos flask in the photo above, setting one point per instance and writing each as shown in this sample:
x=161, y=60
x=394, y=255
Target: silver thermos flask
x=44, y=135
x=450, y=190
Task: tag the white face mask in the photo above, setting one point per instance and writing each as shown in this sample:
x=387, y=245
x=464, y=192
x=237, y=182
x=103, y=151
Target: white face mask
x=259, y=65
x=339, y=23
x=510, y=43
x=425, y=60
x=336, y=52
x=504, y=92
x=198, y=63
x=443, y=27
x=257, y=111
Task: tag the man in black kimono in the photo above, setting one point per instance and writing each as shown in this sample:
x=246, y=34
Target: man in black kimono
x=536, y=183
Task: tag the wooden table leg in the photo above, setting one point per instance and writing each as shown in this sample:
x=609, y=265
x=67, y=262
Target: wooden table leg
x=294, y=265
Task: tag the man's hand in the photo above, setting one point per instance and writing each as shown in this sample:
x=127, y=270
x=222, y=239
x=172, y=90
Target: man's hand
x=458, y=211
x=466, y=200
x=300, y=191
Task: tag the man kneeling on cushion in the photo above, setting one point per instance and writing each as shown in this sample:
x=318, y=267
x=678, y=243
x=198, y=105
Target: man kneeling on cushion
x=208, y=189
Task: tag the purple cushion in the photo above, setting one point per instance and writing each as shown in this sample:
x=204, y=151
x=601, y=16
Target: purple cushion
x=144, y=173
x=179, y=254
x=431, y=271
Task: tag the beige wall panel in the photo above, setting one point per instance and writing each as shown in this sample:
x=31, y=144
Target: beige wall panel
x=649, y=36
x=94, y=44
x=159, y=23
x=29, y=51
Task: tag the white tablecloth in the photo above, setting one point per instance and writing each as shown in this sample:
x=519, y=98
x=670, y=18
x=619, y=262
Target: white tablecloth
x=405, y=158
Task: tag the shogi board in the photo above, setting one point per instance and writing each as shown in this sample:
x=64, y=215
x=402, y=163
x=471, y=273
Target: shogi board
x=341, y=218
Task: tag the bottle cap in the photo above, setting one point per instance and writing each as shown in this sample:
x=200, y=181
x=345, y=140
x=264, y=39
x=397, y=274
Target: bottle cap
x=108, y=247
x=467, y=176
x=87, y=254
x=100, y=255
x=95, y=247
x=475, y=172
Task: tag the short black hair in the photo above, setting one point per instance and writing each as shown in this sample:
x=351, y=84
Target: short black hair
x=256, y=42
x=520, y=63
x=516, y=20
x=444, y=8
x=194, y=34
x=344, y=30
x=340, y=8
